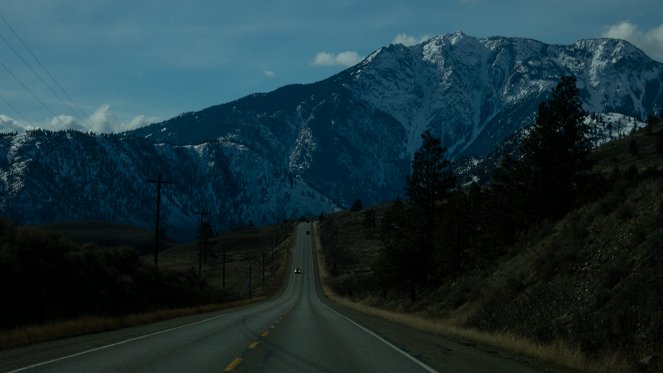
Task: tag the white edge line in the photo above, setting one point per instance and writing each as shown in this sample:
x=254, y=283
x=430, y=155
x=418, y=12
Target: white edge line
x=401, y=351
x=139, y=337
x=117, y=343
x=404, y=353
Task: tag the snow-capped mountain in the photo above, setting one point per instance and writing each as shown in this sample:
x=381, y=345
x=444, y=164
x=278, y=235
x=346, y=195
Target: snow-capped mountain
x=310, y=148
x=50, y=176
x=604, y=127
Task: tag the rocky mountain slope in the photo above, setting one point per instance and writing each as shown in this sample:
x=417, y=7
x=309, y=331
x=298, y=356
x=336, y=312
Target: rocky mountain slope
x=309, y=148
x=591, y=282
x=52, y=176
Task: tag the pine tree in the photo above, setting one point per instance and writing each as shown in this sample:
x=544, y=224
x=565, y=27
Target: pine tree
x=357, y=205
x=432, y=177
x=659, y=142
x=651, y=120
x=633, y=147
x=556, y=151
x=430, y=182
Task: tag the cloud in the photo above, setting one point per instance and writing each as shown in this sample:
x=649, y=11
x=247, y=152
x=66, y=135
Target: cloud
x=269, y=73
x=65, y=122
x=408, y=40
x=347, y=59
x=651, y=42
x=103, y=120
x=137, y=122
x=7, y=124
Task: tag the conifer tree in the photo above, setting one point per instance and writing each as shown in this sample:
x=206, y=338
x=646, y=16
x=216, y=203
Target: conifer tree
x=556, y=151
x=357, y=205
x=432, y=177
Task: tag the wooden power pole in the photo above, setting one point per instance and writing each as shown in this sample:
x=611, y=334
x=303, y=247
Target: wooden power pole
x=158, y=181
x=224, y=267
x=201, y=237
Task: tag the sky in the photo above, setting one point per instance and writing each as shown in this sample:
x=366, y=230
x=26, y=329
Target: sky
x=115, y=65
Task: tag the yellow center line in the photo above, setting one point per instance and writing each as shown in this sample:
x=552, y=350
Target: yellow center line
x=252, y=346
x=233, y=365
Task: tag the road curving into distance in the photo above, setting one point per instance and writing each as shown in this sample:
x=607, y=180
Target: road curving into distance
x=298, y=331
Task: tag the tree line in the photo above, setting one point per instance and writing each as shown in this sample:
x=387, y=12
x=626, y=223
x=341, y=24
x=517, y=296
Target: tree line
x=45, y=278
x=443, y=230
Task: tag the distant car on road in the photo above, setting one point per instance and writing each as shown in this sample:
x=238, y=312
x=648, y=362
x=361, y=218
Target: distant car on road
x=298, y=270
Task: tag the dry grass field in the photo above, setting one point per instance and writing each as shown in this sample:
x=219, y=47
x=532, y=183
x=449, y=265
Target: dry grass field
x=244, y=250
x=104, y=243
x=104, y=234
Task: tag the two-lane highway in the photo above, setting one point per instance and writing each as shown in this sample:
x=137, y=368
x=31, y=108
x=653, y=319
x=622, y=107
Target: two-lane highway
x=295, y=332
x=298, y=331
x=312, y=337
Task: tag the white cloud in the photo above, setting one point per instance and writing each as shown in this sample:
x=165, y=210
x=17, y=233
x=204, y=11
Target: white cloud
x=7, y=124
x=408, y=40
x=65, y=122
x=348, y=58
x=651, y=41
x=136, y=122
x=103, y=120
x=269, y=73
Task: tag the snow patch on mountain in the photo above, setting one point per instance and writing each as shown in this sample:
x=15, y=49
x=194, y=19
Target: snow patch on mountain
x=310, y=148
x=606, y=127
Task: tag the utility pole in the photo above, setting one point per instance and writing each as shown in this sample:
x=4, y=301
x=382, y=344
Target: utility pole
x=275, y=240
x=158, y=181
x=202, y=236
x=250, y=284
x=224, y=267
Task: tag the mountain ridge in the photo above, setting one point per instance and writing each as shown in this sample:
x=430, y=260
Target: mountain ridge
x=303, y=149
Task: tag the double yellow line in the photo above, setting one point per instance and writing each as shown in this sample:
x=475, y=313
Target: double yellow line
x=233, y=364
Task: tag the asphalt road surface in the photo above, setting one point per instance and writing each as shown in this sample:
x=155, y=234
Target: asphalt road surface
x=298, y=331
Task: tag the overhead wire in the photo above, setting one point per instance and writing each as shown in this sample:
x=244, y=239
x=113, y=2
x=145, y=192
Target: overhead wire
x=84, y=118
x=39, y=77
x=29, y=90
x=17, y=111
x=57, y=84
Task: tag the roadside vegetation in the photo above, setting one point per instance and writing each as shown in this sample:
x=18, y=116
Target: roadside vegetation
x=104, y=234
x=53, y=287
x=560, y=251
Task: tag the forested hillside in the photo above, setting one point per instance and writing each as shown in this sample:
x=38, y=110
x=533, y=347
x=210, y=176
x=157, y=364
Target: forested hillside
x=571, y=255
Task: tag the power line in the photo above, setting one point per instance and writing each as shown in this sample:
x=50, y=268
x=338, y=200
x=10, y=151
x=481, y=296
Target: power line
x=28, y=89
x=17, y=111
x=39, y=77
x=85, y=117
x=43, y=67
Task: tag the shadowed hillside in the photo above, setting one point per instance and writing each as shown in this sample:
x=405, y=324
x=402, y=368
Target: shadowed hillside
x=81, y=277
x=592, y=279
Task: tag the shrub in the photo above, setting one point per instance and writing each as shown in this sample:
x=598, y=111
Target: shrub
x=614, y=271
x=45, y=278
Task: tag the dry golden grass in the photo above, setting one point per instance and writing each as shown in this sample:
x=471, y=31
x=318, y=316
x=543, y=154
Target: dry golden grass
x=104, y=234
x=617, y=154
x=26, y=335
x=182, y=258
x=557, y=353
x=244, y=249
